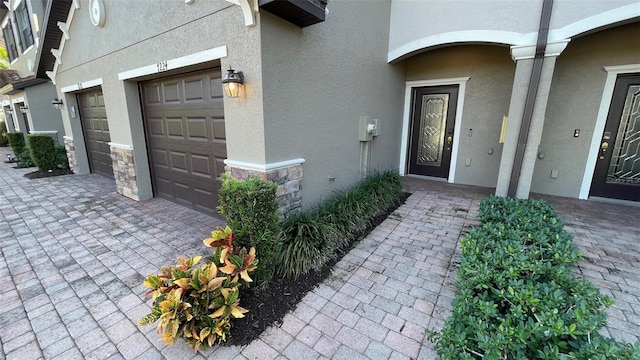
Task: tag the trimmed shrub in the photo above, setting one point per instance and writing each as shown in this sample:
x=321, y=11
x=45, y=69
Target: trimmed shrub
x=24, y=159
x=311, y=239
x=4, y=139
x=518, y=296
x=17, y=143
x=251, y=210
x=62, y=161
x=43, y=151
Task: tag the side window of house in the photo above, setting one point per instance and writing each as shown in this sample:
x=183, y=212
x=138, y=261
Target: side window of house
x=25, y=34
x=10, y=41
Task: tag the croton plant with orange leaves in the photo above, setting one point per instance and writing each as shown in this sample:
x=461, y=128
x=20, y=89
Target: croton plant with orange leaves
x=197, y=300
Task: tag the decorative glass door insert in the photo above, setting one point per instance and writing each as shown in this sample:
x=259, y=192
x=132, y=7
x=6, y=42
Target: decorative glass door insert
x=433, y=122
x=625, y=160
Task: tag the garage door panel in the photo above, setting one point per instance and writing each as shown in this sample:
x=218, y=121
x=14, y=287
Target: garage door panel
x=155, y=127
x=201, y=165
x=152, y=94
x=194, y=90
x=219, y=167
x=197, y=128
x=185, y=135
x=215, y=90
x=175, y=128
x=171, y=92
x=218, y=129
x=179, y=161
x=205, y=199
x=159, y=158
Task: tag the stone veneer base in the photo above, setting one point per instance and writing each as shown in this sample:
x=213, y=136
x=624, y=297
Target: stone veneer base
x=71, y=154
x=124, y=172
x=289, y=178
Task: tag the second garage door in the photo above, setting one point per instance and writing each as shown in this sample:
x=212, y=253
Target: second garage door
x=96, y=132
x=184, y=121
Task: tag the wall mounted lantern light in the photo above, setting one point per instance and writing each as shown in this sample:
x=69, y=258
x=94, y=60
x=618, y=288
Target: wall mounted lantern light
x=57, y=103
x=232, y=82
x=24, y=109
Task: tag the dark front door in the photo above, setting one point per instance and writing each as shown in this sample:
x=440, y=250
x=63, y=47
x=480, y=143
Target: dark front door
x=95, y=126
x=184, y=124
x=432, y=123
x=617, y=173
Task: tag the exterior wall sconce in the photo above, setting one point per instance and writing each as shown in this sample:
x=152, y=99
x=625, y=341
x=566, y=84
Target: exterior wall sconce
x=232, y=82
x=57, y=103
x=24, y=109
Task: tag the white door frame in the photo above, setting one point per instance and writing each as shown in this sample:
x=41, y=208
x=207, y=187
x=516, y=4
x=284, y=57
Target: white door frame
x=601, y=120
x=406, y=120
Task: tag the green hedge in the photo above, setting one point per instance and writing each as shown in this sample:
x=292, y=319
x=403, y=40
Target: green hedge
x=17, y=143
x=251, y=210
x=518, y=296
x=43, y=151
x=4, y=139
x=310, y=239
x=61, y=157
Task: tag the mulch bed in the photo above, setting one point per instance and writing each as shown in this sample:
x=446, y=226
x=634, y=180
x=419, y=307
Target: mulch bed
x=268, y=307
x=47, y=173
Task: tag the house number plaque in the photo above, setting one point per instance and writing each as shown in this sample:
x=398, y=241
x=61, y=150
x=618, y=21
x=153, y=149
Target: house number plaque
x=162, y=66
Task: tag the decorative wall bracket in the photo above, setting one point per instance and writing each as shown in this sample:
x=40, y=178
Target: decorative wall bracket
x=248, y=10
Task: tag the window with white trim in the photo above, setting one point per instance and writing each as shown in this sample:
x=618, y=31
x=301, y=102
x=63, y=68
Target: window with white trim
x=23, y=25
x=10, y=41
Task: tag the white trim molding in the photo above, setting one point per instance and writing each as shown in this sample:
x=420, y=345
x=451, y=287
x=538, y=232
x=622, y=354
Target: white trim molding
x=471, y=36
x=248, y=8
x=66, y=137
x=121, y=146
x=263, y=167
x=82, y=85
x=601, y=120
x=17, y=100
x=529, y=51
x=43, y=132
x=596, y=21
x=171, y=64
x=406, y=120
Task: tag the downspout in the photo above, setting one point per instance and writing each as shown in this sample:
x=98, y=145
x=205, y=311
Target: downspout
x=532, y=92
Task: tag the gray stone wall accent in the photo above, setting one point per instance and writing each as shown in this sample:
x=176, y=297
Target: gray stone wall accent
x=124, y=172
x=71, y=154
x=289, y=179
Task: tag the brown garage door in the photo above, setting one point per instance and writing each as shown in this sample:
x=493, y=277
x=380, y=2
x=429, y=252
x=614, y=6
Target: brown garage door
x=96, y=132
x=184, y=120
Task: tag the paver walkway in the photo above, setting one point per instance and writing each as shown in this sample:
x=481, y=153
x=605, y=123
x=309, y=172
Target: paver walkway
x=73, y=254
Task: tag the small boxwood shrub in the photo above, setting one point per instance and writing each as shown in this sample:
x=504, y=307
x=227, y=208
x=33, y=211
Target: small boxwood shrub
x=310, y=239
x=43, y=151
x=518, y=296
x=17, y=143
x=62, y=161
x=4, y=139
x=251, y=210
x=24, y=159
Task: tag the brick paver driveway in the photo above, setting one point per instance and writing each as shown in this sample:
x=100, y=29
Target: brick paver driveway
x=74, y=253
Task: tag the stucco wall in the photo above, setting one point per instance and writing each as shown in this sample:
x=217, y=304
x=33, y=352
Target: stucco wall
x=318, y=81
x=574, y=99
x=486, y=101
x=43, y=116
x=500, y=21
x=22, y=63
x=144, y=33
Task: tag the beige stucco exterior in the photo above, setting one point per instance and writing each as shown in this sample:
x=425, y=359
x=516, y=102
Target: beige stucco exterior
x=306, y=89
x=318, y=82
x=573, y=104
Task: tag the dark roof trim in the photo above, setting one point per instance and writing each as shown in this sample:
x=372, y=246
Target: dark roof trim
x=51, y=35
x=13, y=88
